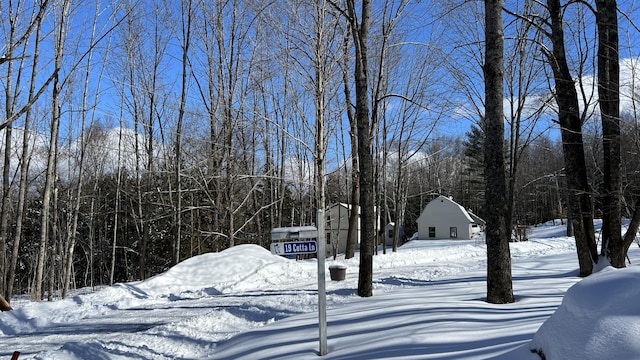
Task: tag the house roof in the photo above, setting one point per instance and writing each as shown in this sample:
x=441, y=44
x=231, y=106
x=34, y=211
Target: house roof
x=470, y=216
x=477, y=218
x=344, y=205
x=464, y=211
x=294, y=232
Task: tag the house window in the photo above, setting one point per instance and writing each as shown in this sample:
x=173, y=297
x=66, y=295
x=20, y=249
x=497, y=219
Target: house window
x=390, y=235
x=328, y=238
x=453, y=232
x=432, y=231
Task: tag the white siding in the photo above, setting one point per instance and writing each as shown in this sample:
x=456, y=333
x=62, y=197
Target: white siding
x=337, y=227
x=443, y=214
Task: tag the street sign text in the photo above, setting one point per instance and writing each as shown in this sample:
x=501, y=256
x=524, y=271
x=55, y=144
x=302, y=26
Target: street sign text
x=294, y=247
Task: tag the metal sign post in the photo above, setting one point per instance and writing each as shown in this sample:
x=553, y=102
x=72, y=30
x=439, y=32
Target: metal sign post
x=291, y=241
x=322, y=294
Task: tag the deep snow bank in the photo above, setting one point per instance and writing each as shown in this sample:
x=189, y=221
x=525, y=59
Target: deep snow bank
x=213, y=273
x=599, y=319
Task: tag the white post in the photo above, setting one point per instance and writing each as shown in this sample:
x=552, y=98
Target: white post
x=322, y=294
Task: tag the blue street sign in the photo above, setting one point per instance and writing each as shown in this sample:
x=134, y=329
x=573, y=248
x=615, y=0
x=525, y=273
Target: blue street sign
x=294, y=247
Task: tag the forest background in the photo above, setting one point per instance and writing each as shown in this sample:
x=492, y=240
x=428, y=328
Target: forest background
x=137, y=134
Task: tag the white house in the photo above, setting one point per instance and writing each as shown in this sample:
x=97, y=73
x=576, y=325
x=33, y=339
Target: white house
x=443, y=218
x=337, y=227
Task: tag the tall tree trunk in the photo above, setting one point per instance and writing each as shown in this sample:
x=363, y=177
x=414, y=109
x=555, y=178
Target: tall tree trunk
x=579, y=199
x=499, y=282
x=400, y=204
x=70, y=244
x=321, y=78
x=50, y=177
x=4, y=202
x=116, y=211
x=56, y=247
x=634, y=225
x=24, y=166
x=148, y=177
x=186, y=34
x=360, y=33
x=609, y=101
x=72, y=235
x=354, y=213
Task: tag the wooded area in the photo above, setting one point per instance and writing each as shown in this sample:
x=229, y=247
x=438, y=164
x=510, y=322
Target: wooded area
x=139, y=133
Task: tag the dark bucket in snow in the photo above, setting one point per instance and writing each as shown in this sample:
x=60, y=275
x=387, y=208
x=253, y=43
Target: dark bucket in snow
x=337, y=272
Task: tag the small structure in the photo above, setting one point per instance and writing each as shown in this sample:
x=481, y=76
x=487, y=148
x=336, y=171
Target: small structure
x=443, y=218
x=389, y=232
x=337, y=227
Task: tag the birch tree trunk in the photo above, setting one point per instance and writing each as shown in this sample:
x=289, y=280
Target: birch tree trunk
x=186, y=16
x=60, y=32
x=9, y=110
x=26, y=159
x=84, y=135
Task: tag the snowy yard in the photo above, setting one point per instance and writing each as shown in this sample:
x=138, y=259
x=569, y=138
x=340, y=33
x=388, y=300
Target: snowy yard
x=245, y=303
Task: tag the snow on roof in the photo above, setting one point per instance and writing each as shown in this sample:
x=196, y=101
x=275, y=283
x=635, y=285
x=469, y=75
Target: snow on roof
x=462, y=209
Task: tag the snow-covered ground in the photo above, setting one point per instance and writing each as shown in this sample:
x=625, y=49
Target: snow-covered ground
x=428, y=303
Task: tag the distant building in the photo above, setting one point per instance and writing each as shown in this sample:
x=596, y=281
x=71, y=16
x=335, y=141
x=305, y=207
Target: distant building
x=337, y=228
x=443, y=218
x=389, y=232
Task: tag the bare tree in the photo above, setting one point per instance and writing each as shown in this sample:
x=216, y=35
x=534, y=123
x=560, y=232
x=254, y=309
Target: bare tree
x=186, y=21
x=523, y=78
x=499, y=284
x=39, y=10
x=324, y=36
x=614, y=247
x=20, y=26
x=524, y=82
x=314, y=50
x=10, y=105
x=9, y=109
x=228, y=63
x=229, y=37
x=60, y=32
x=354, y=215
x=571, y=130
x=145, y=42
x=571, y=121
x=116, y=212
x=360, y=27
x=382, y=63
x=88, y=118
x=277, y=67
x=412, y=130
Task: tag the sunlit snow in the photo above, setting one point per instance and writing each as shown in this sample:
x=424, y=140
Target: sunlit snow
x=428, y=303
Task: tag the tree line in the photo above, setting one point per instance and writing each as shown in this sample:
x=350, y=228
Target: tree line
x=140, y=133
